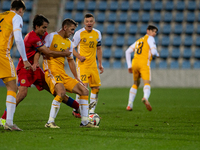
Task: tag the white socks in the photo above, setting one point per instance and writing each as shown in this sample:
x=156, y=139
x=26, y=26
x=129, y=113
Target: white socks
x=11, y=105
x=147, y=91
x=54, y=111
x=83, y=101
x=132, y=94
x=93, y=97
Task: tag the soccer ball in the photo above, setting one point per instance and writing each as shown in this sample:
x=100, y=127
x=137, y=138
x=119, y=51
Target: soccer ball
x=94, y=119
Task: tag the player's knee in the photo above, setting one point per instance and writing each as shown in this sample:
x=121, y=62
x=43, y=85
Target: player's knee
x=84, y=92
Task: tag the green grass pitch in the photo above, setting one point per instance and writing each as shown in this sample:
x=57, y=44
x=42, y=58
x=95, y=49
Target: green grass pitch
x=173, y=123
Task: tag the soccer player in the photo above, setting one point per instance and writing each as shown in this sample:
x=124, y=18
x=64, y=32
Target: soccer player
x=10, y=28
x=88, y=41
x=56, y=78
x=143, y=49
x=34, y=43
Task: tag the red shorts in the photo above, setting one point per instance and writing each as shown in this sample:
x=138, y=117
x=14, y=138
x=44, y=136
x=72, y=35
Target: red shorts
x=29, y=77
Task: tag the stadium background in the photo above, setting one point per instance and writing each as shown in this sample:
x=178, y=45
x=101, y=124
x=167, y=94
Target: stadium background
x=121, y=23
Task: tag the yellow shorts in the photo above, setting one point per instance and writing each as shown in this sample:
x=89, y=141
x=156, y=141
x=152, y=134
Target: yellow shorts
x=89, y=75
x=7, y=68
x=52, y=78
x=141, y=70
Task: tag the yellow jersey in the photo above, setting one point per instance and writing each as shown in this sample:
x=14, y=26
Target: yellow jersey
x=56, y=43
x=142, y=51
x=87, y=43
x=6, y=31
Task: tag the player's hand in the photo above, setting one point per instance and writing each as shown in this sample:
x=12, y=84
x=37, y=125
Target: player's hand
x=81, y=58
x=130, y=70
x=101, y=69
x=80, y=82
x=27, y=65
x=158, y=55
x=35, y=66
x=67, y=53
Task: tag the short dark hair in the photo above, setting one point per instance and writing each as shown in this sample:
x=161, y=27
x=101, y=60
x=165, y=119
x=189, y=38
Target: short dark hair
x=69, y=22
x=151, y=27
x=88, y=15
x=38, y=20
x=17, y=4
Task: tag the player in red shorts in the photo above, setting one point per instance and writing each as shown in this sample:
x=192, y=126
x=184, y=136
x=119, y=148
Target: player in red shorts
x=34, y=42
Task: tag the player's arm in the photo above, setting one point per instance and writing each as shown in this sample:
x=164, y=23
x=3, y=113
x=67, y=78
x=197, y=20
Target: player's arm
x=17, y=27
x=128, y=57
x=152, y=45
x=99, y=57
x=72, y=67
x=71, y=62
x=76, y=41
x=46, y=51
x=77, y=55
x=36, y=61
x=99, y=53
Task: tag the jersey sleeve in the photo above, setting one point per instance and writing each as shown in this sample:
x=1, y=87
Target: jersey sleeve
x=17, y=23
x=71, y=50
x=99, y=39
x=36, y=42
x=76, y=39
x=128, y=54
x=152, y=45
x=48, y=40
x=17, y=28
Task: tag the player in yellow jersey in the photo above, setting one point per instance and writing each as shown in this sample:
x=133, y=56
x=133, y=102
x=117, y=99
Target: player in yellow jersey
x=58, y=81
x=10, y=28
x=88, y=42
x=143, y=49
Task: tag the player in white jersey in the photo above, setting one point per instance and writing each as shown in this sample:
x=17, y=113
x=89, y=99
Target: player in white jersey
x=10, y=28
x=88, y=42
x=143, y=49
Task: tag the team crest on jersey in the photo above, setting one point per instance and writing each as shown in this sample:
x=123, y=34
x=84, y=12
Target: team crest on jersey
x=23, y=81
x=55, y=45
x=84, y=40
x=39, y=43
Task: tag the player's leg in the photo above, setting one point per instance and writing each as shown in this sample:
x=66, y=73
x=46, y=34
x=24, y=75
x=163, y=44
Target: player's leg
x=66, y=100
x=132, y=94
x=146, y=76
x=95, y=83
x=83, y=101
x=133, y=89
x=147, y=92
x=60, y=90
x=21, y=94
x=83, y=76
x=94, y=98
x=10, y=104
x=76, y=113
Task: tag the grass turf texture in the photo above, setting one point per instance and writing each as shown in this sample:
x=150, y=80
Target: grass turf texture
x=173, y=123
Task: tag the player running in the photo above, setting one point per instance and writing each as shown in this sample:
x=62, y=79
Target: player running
x=144, y=48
